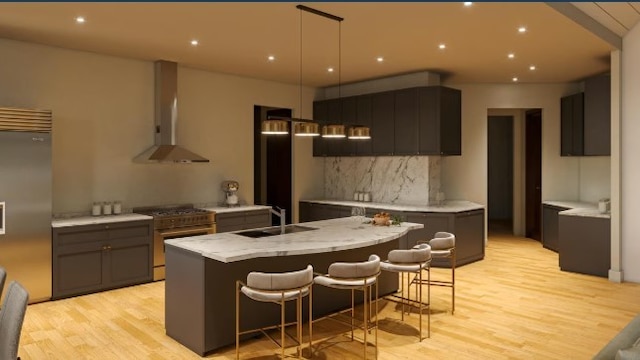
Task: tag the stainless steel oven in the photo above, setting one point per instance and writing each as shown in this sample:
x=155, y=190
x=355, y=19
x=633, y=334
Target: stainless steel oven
x=175, y=222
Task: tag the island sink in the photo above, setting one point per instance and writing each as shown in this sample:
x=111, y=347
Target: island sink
x=275, y=230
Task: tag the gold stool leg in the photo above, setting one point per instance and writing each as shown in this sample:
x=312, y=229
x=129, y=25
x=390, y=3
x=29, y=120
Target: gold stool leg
x=237, y=321
x=282, y=325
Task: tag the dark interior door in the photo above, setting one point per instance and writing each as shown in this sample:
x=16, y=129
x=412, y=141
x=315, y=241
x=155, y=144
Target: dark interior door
x=500, y=171
x=533, y=177
x=272, y=164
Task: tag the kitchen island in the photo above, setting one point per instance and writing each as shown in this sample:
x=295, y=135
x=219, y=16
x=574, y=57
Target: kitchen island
x=201, y=272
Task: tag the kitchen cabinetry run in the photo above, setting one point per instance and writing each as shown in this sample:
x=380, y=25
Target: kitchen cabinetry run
x=585, y=244
x=586, y=120
x=467, y=226
x=413, y=121
x=91, y=258
x=242, y=220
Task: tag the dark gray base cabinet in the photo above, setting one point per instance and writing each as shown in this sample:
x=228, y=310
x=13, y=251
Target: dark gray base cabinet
x=550, y=235
x=242, y=220
x=91, y=258
x=585, y=245
x=467, y=226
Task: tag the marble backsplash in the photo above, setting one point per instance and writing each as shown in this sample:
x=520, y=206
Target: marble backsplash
x=411, y=180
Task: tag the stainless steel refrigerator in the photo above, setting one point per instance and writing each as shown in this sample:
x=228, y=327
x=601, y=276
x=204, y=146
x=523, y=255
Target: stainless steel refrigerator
x=25, y=199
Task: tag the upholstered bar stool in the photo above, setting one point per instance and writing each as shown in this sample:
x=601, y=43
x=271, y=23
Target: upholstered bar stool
x=277, y=288
x=443, y=246
x=356, y=276
x=412, y=261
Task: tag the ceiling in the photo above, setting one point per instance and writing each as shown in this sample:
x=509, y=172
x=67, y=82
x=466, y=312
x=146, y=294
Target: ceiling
x=237, y=37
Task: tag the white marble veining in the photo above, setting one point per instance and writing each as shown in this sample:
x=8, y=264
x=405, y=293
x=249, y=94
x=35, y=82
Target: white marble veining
x=227, y=209
x=93, y=220
x=331, y=235
x=586, y=212
x=451, y=206
x=389, y=179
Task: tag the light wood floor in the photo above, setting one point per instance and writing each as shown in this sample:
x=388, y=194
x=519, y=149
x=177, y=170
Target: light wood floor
x=515, y=304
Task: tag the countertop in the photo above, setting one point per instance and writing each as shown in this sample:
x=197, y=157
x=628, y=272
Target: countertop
x=451, y=206
x=578, y=208
x=93, y=220
x=226, y=209
x=331, y=235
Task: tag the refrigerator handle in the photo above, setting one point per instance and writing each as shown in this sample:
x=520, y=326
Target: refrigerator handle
x=3, y=209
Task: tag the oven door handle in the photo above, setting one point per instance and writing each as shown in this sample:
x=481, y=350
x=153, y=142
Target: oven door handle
x=171, y=232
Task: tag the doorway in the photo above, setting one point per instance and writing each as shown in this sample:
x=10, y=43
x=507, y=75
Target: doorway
x=533, y=176
x=272, y=164
x=500, y=172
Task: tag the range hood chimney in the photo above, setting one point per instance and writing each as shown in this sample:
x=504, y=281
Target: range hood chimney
x=165, y=149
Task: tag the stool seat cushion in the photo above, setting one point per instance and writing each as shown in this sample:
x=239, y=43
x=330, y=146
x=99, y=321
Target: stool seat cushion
x=418, y=254
x=273, y=296
x=443, y=243
x=338, y=283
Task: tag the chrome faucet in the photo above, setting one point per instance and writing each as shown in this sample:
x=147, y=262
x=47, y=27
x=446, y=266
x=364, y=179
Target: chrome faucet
x=283, y=219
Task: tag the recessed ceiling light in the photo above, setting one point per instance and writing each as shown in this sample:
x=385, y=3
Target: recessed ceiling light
x=330, y=69
x=194, y=42
x=442, y=46
x=511, y=55
x=514, y=79
x=379, y=59
x=271, y=58
x=80, y=19
x=522, y=29
x=468, y=3
x=532, y=67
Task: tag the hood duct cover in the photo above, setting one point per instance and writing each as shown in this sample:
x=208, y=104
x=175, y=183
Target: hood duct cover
x=166, y=114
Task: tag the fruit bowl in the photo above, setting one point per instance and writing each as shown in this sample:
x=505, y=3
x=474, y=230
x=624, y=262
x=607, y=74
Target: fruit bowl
x=381, y=219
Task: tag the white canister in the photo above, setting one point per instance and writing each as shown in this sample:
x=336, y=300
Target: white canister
x=356, y=196
x=96, y=209
x=117, y=207
x=367, y=196
x=106, y=208
x=360, y=196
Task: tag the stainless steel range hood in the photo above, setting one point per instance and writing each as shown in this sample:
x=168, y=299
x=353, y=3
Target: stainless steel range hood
x=166, y=114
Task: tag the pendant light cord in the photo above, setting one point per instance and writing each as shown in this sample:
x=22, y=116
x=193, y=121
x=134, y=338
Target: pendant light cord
x=301, y=115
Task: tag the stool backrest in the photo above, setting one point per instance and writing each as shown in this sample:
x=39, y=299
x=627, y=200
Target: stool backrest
x=350, y=270
x=443, y=241
x=280, y=281
x=11, y=319
x=418, y=254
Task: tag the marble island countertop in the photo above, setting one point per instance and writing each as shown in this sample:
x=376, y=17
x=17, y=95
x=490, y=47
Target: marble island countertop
x=331, y=235
x=578, y=208
x=94, y=220
x=450, y=206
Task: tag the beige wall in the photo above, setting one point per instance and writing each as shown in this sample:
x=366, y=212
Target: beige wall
x=103, y=117
x=563, y=178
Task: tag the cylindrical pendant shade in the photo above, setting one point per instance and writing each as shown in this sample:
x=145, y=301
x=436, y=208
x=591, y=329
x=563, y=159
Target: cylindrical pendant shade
x=359, y=133
x=275, y=127
x=333, y=131
x=306, y=129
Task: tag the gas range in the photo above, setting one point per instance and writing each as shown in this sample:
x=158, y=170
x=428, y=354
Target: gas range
x=169, y=217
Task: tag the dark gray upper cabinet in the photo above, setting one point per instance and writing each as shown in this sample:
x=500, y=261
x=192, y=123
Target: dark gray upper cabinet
x=413, y=121
x=597, y=115
x=364, y=111
x=406, y=122
x=439, y=125
x=586, y=119
x=382, y=123
x=572, y=125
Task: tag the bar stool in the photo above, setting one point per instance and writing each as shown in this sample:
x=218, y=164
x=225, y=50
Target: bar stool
x=411, y=261
x=443, y=246
x=277, y=288
x=354, y=276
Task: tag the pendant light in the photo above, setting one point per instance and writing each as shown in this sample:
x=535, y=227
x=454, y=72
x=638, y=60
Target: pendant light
x=275, y=127
x=336, y=130
x=307, y=128
x=359, y=133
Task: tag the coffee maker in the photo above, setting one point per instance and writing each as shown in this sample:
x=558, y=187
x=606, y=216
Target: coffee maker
x=230, y=188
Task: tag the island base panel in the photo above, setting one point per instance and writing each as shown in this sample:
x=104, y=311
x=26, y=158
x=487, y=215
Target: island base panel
x=200, y=305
